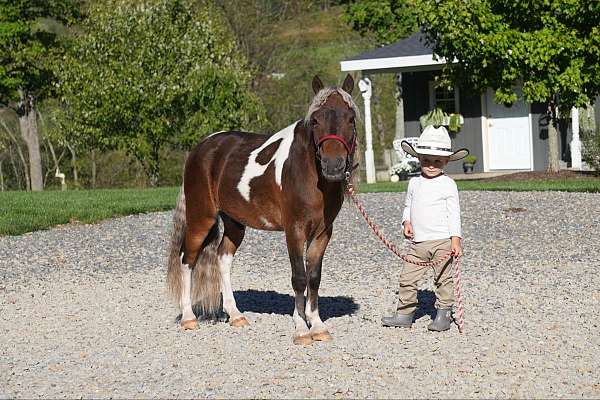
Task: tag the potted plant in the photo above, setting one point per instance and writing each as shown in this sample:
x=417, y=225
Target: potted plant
x=437, y=117
x=400, y=171
x=468, y=163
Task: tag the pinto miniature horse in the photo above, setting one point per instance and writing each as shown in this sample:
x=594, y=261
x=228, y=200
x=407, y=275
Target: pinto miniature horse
x=292, y=181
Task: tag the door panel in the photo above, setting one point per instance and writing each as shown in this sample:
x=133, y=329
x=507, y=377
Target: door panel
x=509, y=134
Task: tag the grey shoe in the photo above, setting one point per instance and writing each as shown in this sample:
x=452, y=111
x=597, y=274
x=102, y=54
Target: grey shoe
x=398, y=320
x=442, y=320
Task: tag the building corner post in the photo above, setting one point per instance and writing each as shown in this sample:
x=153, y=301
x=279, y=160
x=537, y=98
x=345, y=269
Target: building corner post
x=366, y=90
x=575, y=141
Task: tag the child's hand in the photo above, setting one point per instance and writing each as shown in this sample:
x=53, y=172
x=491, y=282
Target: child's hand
x=408, y=230
x=456, y=247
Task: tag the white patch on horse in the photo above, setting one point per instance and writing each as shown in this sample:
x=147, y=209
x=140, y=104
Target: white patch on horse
x=254, y=169
x=213, y=134
x=314, y=318
x=265, y=222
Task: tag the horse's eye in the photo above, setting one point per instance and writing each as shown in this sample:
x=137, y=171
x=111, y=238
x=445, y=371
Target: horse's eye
x=352, y=120
x=314, y=122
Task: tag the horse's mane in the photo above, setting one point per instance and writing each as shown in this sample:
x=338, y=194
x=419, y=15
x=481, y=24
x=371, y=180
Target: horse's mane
x=322, y=97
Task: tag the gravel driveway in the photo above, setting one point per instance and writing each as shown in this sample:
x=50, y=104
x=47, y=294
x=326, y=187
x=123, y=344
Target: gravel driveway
x=84, y=313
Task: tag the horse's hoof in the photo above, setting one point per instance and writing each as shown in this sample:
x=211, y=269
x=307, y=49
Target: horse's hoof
x=322, y=336
x=239, y=322
x=303, y=340
x=190, y=324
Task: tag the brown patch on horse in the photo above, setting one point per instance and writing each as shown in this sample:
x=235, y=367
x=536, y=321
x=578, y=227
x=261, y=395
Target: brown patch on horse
x=267, y=153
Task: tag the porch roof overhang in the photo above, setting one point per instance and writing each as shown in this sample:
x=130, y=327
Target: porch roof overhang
x=410, y=54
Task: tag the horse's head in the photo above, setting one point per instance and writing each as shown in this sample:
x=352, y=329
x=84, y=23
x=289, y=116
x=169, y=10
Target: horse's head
x=331, y=120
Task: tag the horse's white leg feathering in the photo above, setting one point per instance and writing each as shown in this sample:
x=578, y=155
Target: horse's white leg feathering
x=186, y=293
x=228, y=300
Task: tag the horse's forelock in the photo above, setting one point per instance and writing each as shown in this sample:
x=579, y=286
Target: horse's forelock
x=321, y=97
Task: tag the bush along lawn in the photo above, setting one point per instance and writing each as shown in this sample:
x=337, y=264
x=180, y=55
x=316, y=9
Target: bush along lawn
x=22, y=212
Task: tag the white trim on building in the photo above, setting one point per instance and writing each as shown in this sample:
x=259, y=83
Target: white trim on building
x=392, y=62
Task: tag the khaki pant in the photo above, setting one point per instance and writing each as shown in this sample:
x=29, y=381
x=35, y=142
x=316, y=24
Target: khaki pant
x=411, y=274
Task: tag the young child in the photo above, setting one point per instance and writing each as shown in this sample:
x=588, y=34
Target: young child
x=431, y=220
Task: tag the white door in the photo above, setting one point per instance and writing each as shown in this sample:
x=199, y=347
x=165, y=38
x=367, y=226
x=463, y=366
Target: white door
x=509, y=134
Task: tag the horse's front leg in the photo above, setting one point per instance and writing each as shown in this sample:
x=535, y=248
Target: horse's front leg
x=295, y=244
x=314, y=261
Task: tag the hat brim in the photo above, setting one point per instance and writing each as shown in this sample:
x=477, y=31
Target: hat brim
x=452, y=156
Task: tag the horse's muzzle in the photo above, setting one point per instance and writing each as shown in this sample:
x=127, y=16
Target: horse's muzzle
x=333, y=170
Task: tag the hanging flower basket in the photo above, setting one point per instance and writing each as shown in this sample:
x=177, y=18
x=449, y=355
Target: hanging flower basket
x=437, y=117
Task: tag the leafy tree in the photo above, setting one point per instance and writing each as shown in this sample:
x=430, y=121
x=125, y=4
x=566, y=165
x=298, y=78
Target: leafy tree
x=30, y=40
x=552, y=47
x=155, y=73
x=387, y=20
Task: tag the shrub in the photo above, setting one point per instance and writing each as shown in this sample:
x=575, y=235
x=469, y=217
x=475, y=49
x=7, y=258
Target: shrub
x=590, y=152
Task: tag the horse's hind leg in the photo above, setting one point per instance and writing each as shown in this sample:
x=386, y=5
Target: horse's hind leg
x=188, y=318
x=232, y=238
x=197, y=231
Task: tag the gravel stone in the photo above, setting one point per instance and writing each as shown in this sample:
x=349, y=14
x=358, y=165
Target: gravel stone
x=84, y=312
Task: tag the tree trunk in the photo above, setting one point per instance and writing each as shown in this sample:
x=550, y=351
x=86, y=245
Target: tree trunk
x=1, y=177
x=16, y=172
x=93, y=169
x=74, y=164
x=399, y=134
x=21, y=157
x=29, y=132
x=154, y=167
x=381, y=129
x=53, y=154
x=553, y=150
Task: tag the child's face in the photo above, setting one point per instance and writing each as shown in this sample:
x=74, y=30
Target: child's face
x=432, y=165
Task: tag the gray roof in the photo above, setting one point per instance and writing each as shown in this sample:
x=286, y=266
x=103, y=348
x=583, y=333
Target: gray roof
x=413, y=45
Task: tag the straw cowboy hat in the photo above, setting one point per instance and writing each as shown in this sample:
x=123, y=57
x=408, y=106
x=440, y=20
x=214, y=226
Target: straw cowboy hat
x=436, y=142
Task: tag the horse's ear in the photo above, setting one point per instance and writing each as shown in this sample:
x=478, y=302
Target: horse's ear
x=317, y=84
x=348, y=84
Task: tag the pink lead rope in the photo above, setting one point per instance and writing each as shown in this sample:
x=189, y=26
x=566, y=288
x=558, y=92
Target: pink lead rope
x=459, y=317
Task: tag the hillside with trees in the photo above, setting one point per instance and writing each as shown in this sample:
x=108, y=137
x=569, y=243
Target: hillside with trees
x=131, y=91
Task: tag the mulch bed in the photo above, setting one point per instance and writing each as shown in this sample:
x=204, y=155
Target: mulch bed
x=542, y=175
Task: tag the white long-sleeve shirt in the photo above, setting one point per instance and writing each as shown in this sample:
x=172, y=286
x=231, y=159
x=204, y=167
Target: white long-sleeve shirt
x=432, y=207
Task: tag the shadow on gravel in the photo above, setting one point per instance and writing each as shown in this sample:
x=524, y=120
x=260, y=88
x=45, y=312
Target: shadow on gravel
x=271, y=302
x=426, y=299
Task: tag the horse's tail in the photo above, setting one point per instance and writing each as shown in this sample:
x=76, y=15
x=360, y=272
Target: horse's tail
x=174, y=277
x=206, y=276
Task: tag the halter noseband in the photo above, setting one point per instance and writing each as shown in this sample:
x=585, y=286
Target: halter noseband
x=349, y=148
x=334, y=136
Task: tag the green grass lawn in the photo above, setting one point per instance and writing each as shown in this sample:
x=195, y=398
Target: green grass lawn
x=591, y=185
x=22, y=212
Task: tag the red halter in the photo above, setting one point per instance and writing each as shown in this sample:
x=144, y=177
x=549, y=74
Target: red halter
x=333, y=135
